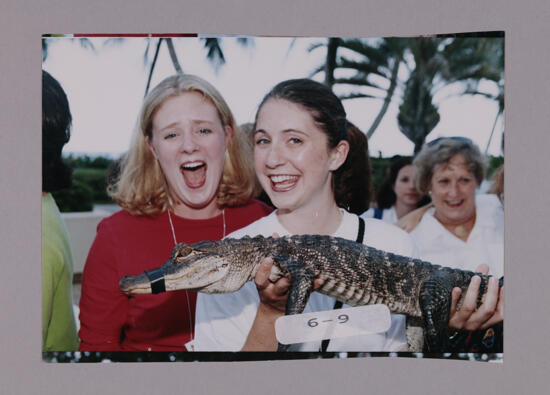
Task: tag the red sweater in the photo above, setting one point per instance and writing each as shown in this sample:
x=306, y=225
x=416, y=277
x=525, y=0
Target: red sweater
x=126, y=244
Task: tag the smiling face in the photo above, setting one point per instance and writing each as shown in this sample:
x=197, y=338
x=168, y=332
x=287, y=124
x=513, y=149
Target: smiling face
x=453, y=189
x=292, y=158
x=404, y=188
x=189, y=141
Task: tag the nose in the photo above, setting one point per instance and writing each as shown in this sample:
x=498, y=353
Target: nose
x=453, y=189
x=188, y=143
x=274, y=156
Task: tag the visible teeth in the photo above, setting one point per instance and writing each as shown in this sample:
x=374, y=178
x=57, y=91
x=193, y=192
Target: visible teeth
x=283, y=178
x=192, y=165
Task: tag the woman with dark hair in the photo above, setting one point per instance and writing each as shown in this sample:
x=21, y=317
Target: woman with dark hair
x=186, y=178
x=58, y=322
x=301, y=153
x=397, y=195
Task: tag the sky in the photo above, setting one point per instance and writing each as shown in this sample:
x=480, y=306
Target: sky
x=105, y=88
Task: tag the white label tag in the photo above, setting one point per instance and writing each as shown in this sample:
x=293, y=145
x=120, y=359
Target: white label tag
x=333, y=324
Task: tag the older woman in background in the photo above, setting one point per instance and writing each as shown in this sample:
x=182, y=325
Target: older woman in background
x=463, y=230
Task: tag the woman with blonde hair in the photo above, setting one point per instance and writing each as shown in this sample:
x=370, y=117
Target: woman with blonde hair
x=184, y=179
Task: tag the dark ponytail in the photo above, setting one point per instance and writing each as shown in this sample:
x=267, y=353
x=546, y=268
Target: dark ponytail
x=353, y=180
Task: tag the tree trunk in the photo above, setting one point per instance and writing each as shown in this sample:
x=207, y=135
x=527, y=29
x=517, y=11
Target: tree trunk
x=153, y=66
x=387, y=99
x=492, y=131
x=173, y=55
x=330, y=63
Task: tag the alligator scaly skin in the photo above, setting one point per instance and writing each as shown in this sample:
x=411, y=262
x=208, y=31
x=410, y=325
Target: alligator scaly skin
x=353, y=273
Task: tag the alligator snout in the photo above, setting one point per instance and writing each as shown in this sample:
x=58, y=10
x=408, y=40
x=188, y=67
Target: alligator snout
x=135, y=284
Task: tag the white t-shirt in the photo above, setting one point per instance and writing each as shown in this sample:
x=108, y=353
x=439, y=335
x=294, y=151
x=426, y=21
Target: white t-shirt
x=485, y=243
x=388, y=214
x=223, y=321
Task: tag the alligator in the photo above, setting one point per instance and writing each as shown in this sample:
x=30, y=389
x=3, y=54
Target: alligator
x=353, y=273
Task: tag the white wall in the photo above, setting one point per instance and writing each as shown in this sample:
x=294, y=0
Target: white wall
x=82, y=229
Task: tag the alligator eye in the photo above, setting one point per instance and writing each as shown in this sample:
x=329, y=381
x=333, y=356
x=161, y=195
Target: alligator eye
x=184, y=251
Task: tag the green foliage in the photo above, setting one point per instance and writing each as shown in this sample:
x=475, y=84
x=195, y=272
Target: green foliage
x=494, y=163
x=433, y=62
x=418, y=116
x=96, y=180
x=89, y=184
x=85, y=161
x=379, y=167
x=76, y=198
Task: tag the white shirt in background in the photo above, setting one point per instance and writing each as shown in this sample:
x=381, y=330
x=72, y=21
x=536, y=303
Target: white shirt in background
x=485, y=243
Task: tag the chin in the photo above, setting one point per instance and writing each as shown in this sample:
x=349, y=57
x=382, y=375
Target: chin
x=283, y=203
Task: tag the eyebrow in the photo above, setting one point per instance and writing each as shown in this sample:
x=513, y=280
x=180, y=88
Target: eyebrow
x=284, y=131
x=194, y=121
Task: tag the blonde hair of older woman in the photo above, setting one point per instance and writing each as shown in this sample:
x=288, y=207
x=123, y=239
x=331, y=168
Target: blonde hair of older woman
x=141, y=188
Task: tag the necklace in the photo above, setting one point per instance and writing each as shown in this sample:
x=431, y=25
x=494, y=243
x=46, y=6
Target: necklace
x=461, y=231
x=191, y=329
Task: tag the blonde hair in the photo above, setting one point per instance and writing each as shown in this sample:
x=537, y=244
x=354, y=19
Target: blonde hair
x=141, y=187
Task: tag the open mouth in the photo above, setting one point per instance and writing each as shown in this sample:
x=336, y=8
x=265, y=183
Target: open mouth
x=194, y=173
x=283, y=183
x=455, y=203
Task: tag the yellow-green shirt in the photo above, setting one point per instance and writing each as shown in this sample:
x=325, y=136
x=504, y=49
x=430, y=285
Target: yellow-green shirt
x=58, y=322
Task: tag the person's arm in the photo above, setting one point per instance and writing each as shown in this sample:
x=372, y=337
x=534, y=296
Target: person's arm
x=103, y=307
x=273, y=297
x=47, y=293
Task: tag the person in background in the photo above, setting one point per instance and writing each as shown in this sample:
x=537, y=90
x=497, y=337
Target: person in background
x=301, y=153
x=58, y=321
x=397, y=195
x=465, y=231
x=185, y=179
x=247, y=130
x=497, y=185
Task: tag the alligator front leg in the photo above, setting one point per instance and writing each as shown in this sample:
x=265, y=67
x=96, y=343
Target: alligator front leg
x=301, y=286
x=435, y=303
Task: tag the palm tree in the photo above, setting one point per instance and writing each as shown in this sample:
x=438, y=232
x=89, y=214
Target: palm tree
x=375, y=64
x=493, y=71
x=48, y=40
x=439, y=62
x=417, y=114
x=432, y=62
x=213, y=46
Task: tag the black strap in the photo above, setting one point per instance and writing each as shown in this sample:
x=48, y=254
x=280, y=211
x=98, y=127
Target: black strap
x=338, y=304
x=156, y=280
x=361, y=231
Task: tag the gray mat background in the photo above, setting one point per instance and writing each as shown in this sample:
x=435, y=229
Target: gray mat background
x=525, y=367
